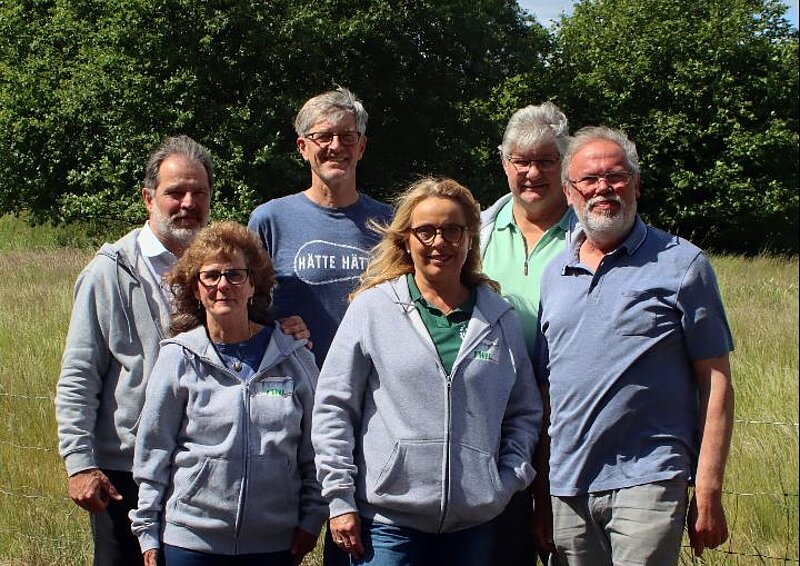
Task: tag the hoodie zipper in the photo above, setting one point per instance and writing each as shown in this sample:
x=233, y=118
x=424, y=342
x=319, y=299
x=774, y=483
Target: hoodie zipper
x=245, y=463
x=449, y=420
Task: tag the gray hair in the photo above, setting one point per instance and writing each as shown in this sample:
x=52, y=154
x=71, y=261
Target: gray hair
x=533, y=126
x=586, y=135
x=177, y=145
x=332, y=106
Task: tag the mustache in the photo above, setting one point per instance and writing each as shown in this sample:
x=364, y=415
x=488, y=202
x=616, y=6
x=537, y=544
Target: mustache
x=185, y=214
x=595, y=200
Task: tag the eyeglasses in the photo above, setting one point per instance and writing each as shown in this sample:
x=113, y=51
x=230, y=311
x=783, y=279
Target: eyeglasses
x=325, y=139
x=614, y=179
x=451, y=233
x=212, y=277
x=522, y=166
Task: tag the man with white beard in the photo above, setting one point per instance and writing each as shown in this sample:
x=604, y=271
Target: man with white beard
x=633, y=343
x=118, y=319
x=120, y=314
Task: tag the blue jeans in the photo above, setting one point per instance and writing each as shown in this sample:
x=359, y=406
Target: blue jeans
x=636, y=525
x=389, y=545
x=176, y=556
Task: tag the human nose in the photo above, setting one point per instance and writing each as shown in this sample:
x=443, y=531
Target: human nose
x=335, y=142
x=533, y=170
x=188, y=200
x=603, y=186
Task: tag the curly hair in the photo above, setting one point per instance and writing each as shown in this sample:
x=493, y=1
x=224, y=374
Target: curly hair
x=389, y=258
x=220, y=240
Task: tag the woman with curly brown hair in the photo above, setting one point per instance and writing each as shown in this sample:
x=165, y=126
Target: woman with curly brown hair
x=223, y=454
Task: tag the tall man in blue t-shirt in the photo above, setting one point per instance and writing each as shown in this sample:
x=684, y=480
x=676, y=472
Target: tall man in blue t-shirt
x=634, y=344
x=319, y=239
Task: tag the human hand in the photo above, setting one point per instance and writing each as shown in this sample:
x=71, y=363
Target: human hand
x=706, y=522
x=346, y=533
x=542, y=525
x=150, y=557
x=303, y=542
x=296, y=327
x=92, y=490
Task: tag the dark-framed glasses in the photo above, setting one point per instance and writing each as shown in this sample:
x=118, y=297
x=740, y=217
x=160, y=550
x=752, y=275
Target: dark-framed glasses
x=522, y=166
x=614, y=179
x=451, y=233
x=325, y=139
x=211, y=277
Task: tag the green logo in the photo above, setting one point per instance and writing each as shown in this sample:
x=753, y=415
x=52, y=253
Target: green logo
x=482, y=355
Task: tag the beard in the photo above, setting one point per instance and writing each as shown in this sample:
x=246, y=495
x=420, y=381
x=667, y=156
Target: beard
x=168, y=228
x=607, y=226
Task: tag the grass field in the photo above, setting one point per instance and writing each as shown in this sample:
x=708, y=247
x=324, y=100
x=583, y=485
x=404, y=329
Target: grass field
x=40, y=526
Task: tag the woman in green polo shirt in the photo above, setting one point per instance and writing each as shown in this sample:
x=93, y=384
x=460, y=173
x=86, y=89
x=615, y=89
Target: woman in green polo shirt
x=426, y=412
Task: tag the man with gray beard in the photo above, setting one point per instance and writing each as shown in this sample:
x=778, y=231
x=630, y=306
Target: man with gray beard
x=118, y=319
x=633, y=344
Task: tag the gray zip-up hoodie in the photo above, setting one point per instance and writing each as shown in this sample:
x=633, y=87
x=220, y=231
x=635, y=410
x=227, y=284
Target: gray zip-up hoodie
x=226, y=465
x=117, y=319
x=400, y=441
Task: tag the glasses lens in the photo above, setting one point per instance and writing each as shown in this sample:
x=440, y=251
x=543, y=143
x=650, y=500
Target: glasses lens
x=236, y=276
x=452, y=233
x=426, y=234
x=323, y=138
x=617, y=179
x=210, y=278
x=349, y=138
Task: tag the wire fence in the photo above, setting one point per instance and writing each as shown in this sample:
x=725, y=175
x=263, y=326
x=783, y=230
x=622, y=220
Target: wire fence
x=739, y=549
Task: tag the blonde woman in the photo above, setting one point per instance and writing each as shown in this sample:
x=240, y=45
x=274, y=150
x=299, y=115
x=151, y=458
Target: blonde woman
x=426, y=411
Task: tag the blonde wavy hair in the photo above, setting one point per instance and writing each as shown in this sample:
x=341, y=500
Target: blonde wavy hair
x=220, y=240
x=389, y=258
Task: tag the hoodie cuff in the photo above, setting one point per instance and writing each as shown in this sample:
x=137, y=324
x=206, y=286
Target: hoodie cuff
x=79, y=461
x=149, y=540
x=312, y=522
x=341, y=505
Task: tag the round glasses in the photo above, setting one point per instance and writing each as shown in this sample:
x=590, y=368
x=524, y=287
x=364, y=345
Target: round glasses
x=325, y=139
x=589, y=183
x=212, y=277
x=451, y=233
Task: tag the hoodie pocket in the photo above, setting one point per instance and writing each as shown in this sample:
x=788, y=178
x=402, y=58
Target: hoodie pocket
x=272, y=500
x=210, y=501
x=410, y=481
x=476, y=490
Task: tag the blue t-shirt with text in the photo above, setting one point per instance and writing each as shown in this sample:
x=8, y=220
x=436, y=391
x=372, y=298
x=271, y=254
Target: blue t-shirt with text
x=319, y=253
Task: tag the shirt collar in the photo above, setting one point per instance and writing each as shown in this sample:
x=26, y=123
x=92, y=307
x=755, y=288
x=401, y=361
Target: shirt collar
x=505, y=218
x=150, y=245
x=416, y=296
x=629, y=245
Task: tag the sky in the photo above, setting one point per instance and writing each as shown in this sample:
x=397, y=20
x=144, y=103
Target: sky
x=546, y=10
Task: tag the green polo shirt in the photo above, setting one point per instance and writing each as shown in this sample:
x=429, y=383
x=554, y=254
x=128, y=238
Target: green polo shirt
x=447, y=331
x=518, y=270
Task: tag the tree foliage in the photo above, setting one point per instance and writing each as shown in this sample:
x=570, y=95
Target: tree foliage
x=709, y=91
x=87, y=90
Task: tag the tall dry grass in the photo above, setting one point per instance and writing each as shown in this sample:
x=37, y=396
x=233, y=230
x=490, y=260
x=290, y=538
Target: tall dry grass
x=40, y=526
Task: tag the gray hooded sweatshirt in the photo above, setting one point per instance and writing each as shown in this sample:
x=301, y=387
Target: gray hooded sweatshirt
x=118, y=317
x=400, y=441
x=226, y=465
